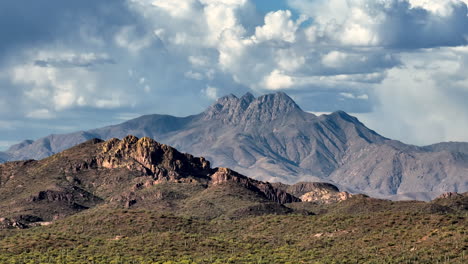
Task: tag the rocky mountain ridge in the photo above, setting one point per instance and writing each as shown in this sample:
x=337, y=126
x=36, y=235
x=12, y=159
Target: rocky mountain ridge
x=128, y=173
x=270, y=138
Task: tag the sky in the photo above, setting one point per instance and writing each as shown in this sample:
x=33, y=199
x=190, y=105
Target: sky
x=400, y=66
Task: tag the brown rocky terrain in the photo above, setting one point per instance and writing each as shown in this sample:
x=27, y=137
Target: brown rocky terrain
x=138, y=201
x=129, y=173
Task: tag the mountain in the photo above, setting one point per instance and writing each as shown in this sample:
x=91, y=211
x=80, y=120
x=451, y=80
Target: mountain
x=130, y=173
x=4, y=157
x=270, y=138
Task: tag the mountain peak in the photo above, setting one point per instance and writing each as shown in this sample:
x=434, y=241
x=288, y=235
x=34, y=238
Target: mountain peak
x=227, y=98
x=280, y=100
x=231, y=109
x=248, y=97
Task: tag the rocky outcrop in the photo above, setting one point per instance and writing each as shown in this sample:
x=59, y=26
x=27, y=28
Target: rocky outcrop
x=165, y=163
x=21, y=222
x=73, y=196
x=152, y=158
x=224, y=175
x=450, y=195
x=128, y=173
x=6, y=223
x=453, y=200
x=317, y=192
x=158, y=163
x=325, y=197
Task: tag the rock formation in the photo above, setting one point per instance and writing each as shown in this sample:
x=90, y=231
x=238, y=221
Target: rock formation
x=131, y=172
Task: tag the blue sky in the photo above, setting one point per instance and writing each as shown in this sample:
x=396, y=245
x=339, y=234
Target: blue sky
x=399, y=65
x=265, y=6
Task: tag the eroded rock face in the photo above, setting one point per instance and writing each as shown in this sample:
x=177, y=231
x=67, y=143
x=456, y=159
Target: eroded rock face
x=224, y=175
x=159, y=163
x=449, y=195
x=325, y=197
x=317, y=192
x=152, y=158
x=248, y=109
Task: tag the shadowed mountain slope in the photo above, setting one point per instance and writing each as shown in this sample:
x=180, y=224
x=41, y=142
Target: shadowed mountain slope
x=270, y=138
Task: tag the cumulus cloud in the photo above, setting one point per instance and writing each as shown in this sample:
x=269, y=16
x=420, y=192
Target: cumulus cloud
x=391, y=23
x=361, y=55
x=278, y=26
x=425, y=99
x=278, y=80
x=211, y=92
x=64, y=80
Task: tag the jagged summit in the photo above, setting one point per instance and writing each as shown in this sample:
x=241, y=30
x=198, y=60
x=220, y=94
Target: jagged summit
x=269, y=107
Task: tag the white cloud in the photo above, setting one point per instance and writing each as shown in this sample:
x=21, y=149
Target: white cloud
x=179, y=8
x=278, y=80
x=363, y=52
x=353, y=96
x=221, y=17
x=438, y=7
x=424, y=99
x=59, y=87
x=211, y=92
x=129, y=39
x=194, y=75
x=199, y=61
x=320, y=113
x=278, y=26
x=108, y=103
x=41, y=114
x=334, y=59
x=71, y=59
x=289, y=60
x=400, y=23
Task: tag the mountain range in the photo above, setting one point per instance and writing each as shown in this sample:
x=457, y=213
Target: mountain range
x=270, y=138
x=135, y=200
x=140, y=173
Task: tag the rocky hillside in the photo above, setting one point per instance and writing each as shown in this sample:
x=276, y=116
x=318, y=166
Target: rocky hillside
x=271, y=138
x=129, y=173
x=138, y=201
